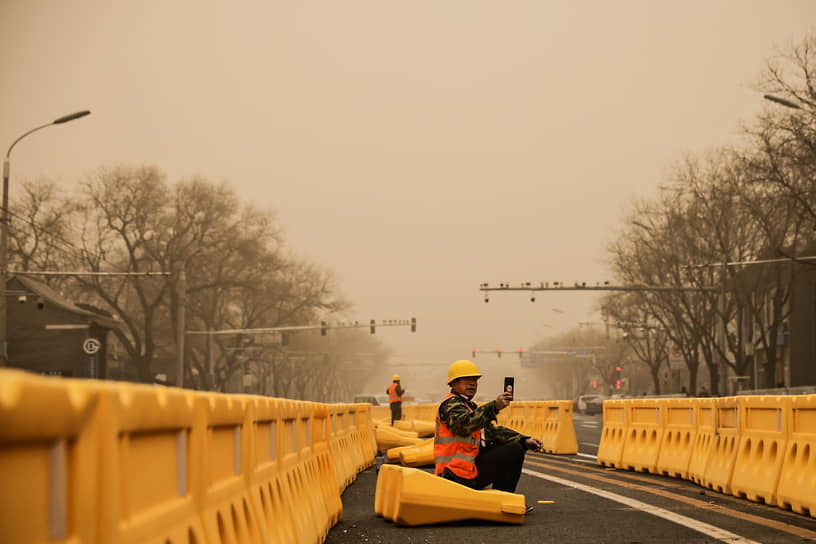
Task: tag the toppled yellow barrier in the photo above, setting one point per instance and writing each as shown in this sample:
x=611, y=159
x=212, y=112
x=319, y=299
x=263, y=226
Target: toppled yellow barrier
x=409, y=496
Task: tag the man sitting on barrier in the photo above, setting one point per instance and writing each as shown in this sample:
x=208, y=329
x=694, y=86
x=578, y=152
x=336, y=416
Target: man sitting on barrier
x=469, y=448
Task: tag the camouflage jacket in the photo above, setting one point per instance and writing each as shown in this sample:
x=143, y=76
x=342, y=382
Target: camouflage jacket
x=455, y=415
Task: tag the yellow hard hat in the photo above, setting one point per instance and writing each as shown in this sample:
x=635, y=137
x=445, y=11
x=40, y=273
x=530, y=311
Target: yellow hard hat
x=396, y=378
x=462, y=369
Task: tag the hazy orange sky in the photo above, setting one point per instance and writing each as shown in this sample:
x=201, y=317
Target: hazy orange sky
x=415, y=148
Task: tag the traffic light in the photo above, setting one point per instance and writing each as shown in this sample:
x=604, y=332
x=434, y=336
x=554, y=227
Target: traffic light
x=521, y=352
x=413, y=324
x=371, y=326
x=594, y=384
x=617, y=384
x=473, y=351
x=499, y=352
x=322, y=328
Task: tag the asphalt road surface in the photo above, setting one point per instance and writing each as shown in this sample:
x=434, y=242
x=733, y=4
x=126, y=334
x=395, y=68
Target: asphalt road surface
x=591, y=504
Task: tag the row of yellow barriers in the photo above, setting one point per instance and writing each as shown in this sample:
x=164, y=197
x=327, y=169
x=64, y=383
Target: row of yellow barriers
x=86, y=461
x=762, y=448
x=549, y=421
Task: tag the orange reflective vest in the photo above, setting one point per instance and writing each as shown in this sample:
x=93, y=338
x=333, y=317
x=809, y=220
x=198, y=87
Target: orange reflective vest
x=392, y=394
x=457, y=453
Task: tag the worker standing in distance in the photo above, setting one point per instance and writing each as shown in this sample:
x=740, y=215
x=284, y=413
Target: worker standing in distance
x=469, y=448
x=395, y=392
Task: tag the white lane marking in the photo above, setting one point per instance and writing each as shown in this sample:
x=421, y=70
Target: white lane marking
x=587, y=455
x=590, y=444
x=593, y=463
x=695, y=525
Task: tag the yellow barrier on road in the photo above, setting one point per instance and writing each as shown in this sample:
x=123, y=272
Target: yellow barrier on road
x=152, y=465
x=225, y=500
x=270, y=491
x=679, y=436
x=48, y=444
x=552, y=424
x=422, y=428
x=762, y=445
x=392, y=455
x=797, y=480
x=391, y=437
x=365, y=431
x=720, y=465
x=644, y=435
x=616, y=415
x=706, y=418
x=420, y=455
x=413, y=497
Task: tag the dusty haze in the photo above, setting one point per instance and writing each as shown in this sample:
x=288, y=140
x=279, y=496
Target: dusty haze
x=417, y=148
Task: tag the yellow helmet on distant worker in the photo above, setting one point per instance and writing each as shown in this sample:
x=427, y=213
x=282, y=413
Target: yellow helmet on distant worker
x=462, y=369
x=395, y=378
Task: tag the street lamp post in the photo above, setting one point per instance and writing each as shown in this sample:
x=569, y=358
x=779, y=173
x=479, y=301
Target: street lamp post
x=4, y=236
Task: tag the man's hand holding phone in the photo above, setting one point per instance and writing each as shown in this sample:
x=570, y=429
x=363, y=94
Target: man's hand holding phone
x=503, y=400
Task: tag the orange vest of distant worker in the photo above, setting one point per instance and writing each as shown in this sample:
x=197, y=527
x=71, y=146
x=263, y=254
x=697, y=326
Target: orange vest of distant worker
x=392, y=393
x=458, y=453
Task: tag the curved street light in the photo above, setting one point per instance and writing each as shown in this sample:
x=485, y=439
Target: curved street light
x=4, y=226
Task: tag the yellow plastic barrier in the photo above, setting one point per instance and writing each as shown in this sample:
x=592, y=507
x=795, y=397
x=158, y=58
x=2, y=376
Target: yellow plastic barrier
x=309, y=469
x=413, y=497
x=48, y=445
x=391, y=437
x=306, y=530
x=678, y=438
x=270, y=491
x=420, y=455
x=392, y=455
x=152, y=484
x=324, y=463
x=762, y=445
x=386, y=491
x=616, y=415
x=645, y=434
x=355, y=439
x=422, y=428
x=705, y=415
x=552, y=424
x=340, y=448
x=797, y=480
x=365, y=432
x=515, y=416
x=225, y=500
x=720, y=466
x=381, y=412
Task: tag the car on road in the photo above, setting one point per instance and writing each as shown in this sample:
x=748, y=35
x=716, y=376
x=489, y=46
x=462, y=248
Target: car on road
x=590, y=404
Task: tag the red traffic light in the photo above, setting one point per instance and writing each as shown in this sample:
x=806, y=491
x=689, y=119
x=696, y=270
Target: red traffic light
x=618, y=368
x=617, y=384
x=594, y=384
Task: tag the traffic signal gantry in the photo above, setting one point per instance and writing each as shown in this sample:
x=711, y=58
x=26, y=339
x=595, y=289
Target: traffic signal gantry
x=323, y=327
x=497, y=351
x=581, y=286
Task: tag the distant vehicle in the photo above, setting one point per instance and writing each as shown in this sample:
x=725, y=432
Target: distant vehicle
x=590, y=404
x=376, y=400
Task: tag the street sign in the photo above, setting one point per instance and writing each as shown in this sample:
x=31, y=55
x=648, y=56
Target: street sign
x=91, y=346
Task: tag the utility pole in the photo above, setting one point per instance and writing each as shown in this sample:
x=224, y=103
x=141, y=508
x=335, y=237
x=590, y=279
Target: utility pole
x=181, y=295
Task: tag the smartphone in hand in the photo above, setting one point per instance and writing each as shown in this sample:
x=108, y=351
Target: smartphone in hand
x=509, y=385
